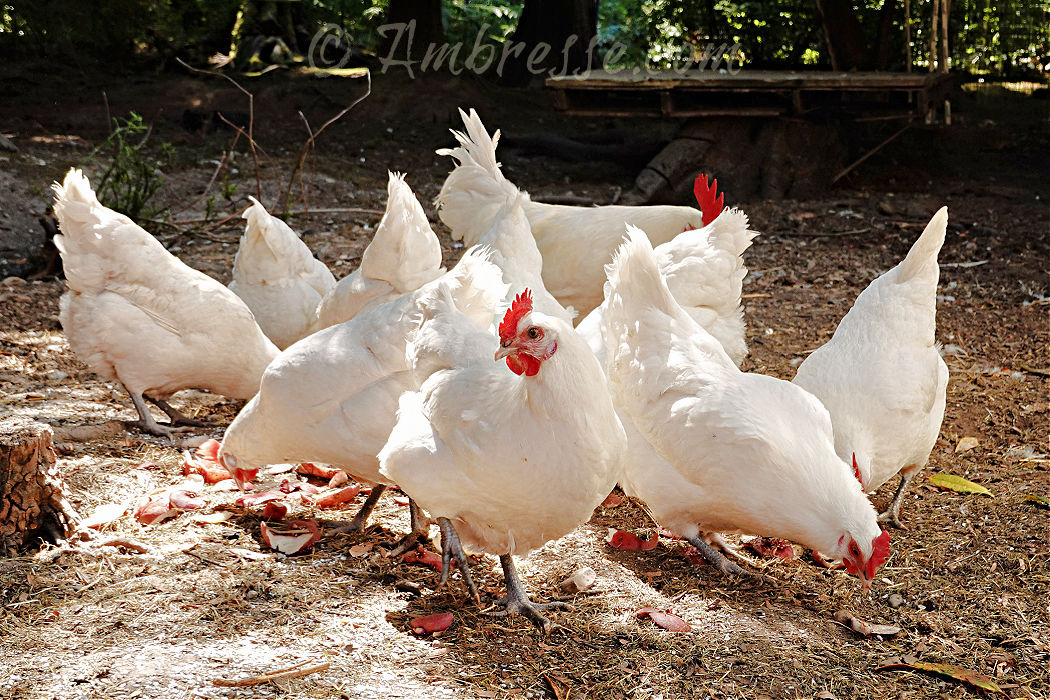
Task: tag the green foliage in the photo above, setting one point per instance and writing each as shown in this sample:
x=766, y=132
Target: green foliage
x=465, y=18
x=132, y=176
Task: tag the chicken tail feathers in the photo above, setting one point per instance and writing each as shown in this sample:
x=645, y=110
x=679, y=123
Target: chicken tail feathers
x=923, y=254
x=476, y=187
x=405, y=252
x=634, y=268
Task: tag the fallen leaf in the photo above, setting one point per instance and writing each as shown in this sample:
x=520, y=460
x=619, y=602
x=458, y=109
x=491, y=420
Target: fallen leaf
x=292, y=537
x=978, y=680
x=559, y=684
x=612, y=500
x=862, y=627
x=289, y=486
x=432, y=623
x=360, y=550
x=664, y=619
x=957, y=483
x=328, y=499
x=423, y=557
x=104, y=514
x=274, y=511
x=318, y=470
x=1041, y=500
x=626, y=541
x=966, y=444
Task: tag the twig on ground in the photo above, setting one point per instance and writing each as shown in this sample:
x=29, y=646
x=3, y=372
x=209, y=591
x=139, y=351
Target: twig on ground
x=295, y=671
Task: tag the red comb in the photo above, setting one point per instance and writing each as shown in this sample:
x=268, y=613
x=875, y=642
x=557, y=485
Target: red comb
x=856, y=470
x=708, y=198
x=522, y=305
x=880, y=551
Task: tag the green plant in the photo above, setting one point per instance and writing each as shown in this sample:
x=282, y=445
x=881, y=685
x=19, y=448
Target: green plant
x=132, y=176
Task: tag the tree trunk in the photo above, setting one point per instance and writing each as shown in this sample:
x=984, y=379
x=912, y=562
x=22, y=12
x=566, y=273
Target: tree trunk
x=843, y=33
x=554, y=36
x=881, y=58
x=33, y=505
x=424, y=18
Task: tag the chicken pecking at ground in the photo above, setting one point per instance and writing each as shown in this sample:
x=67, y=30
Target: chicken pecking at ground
x=738, y=452
x=403, y=255
x=881, y=376
x=576, y=242
x=278, y=277
x=704, y=269
x=332, y=397
x=509, y=456
x=136, y=314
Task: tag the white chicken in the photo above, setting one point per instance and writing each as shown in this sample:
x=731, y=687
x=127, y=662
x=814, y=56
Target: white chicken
x=704, y=269
x=576, y=242
x=403, y=255
x=511, y=456
x=738, y=452
x=881, y=376
x=332, y=397
x=278, y=277
x=136, y=314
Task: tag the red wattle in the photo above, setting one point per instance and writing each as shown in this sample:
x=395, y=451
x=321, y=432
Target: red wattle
x=520, y=363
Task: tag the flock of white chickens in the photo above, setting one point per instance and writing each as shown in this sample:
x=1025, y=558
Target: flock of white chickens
x=472, y=390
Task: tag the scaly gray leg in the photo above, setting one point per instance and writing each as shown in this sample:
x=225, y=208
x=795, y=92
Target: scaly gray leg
x=517, y=602
x=175, y=416
x=452, y=549
x=891, y=516
x=359, y=520
x=145, y=422
x=715, y=558
x=419, y=534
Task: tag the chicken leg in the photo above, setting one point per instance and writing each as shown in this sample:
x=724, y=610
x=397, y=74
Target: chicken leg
x=175, y=416
x=357, y=524
x=452, y=549
x=714, y=557
x=517, y=601
x=146, y=423
x=891, y=516
x=418, y=535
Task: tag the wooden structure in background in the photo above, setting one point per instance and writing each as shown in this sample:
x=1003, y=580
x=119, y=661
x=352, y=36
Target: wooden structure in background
x=749, y=93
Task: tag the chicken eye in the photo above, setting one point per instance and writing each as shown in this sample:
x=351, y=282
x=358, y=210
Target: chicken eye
x=854, y=549
x=533, y=332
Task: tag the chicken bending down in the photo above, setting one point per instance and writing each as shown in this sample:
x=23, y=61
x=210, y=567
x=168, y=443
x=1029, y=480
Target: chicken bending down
x=704, y=269
x=576, y=242
x=403, y=255
x=278, y=277
x=737, y=452
x=136, y=314
x=332, y=397
x=513, y=455
x=881, y=376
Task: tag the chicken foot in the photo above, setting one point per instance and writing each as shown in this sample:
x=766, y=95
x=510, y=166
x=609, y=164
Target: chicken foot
x=517, y=601
x=452, y=549
x=716, y=558
x=891, y=516
x=419, y=534
x=175, y=416
x=357, y=524
x=146, y=423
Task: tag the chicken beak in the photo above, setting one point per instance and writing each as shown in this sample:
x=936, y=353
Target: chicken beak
x=505, y=352
x=865, y=583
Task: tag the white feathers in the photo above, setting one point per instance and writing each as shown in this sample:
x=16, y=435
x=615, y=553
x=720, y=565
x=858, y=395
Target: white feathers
x=136, y=314
x=278, y=277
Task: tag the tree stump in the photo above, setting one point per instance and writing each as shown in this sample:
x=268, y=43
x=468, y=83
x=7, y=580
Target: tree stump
x=33, y=504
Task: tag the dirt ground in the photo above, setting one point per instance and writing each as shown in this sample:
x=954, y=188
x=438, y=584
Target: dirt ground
x=206, y=601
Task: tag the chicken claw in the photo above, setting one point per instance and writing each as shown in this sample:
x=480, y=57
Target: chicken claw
x=418, y=535
x=517, y=601
x=175, y=416
x=891, y=516
x=452, y=549
x=719, y=560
